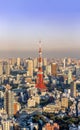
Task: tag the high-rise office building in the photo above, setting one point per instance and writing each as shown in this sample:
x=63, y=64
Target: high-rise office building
x=73, y=89
x=9, y=102
x=6, y=68
x=69, y=77
x=69, y=61
x=54, y=69
x=18, y=61
x=30, y=67
x=48, y=69
x=1, y=67
x=13, y=61
x=64, y=62
x=44, y=65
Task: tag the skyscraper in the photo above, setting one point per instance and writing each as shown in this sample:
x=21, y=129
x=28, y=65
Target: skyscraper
x=9, y=102
x=48, y=69
x=69, y=77
x=18, y=61
x=54, y=69
x=44, y=65
x=73, y=89
x=64, y=62
x=13, y=61
x=6, y=68
x=30, y=67
x=1, y=67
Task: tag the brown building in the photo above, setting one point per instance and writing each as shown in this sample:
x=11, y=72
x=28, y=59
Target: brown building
x=16, y=107
x=54, y=69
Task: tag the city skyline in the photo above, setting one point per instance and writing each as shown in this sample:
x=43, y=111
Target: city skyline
x=24, y=23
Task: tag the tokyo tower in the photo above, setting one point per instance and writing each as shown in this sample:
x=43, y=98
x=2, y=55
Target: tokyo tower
x=40, y=84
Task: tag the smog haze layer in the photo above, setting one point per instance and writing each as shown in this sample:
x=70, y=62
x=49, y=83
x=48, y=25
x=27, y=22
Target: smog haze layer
x=55, y=22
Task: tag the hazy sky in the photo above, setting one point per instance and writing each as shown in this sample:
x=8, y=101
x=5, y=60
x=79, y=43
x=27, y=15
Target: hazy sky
x=24, y=22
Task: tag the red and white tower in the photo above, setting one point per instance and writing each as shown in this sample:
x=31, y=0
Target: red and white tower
x=40, y=84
